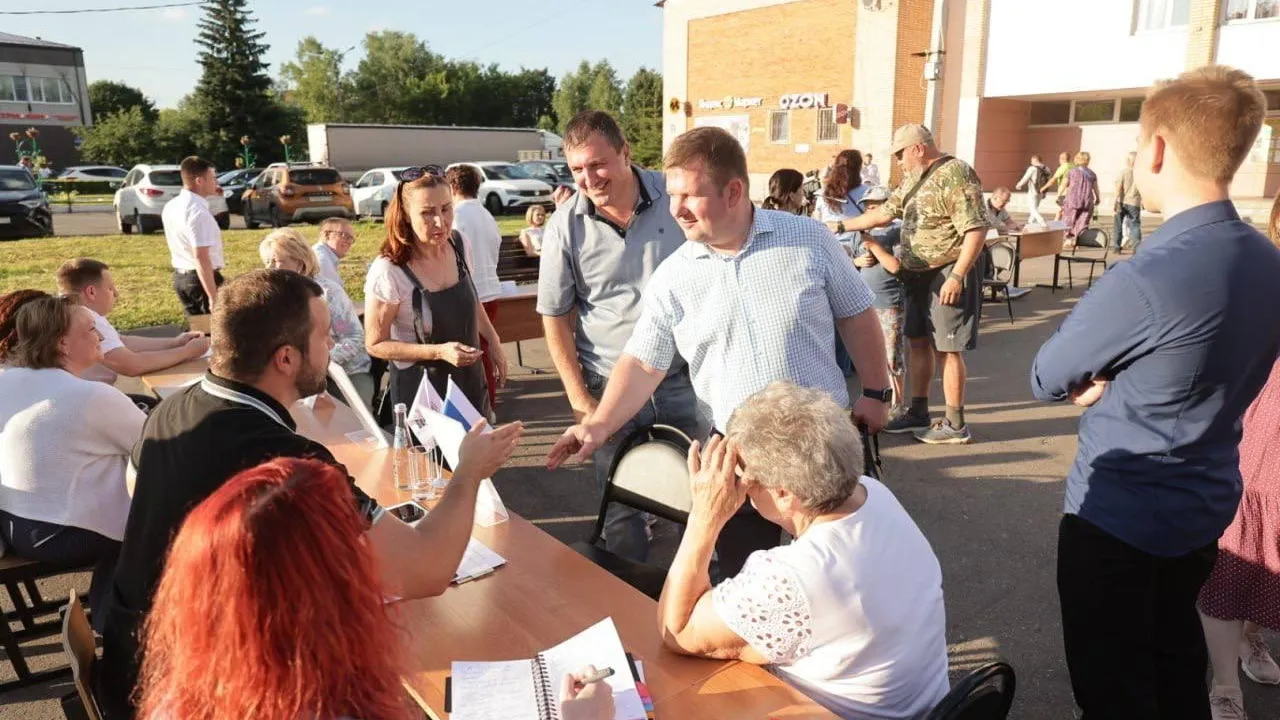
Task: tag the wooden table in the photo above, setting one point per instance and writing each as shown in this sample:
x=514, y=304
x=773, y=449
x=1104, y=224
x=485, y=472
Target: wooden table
x=1034, y=244
x=518, y=320
x=545, y=594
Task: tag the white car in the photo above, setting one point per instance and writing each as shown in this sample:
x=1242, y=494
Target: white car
x=506, y=186
x=372, y=192
x=146, y=189
x=109, y=173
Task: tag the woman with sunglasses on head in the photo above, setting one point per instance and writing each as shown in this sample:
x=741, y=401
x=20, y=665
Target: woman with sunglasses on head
x=421, y=309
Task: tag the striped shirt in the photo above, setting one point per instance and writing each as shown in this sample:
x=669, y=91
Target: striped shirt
x=743, y=321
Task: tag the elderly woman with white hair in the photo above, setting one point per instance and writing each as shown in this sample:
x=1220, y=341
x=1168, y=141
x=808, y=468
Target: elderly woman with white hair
x=285, y=249
x=851, y=612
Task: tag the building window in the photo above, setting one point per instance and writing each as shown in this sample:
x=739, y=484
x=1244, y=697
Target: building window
x=13, y=88
x=49, y=90
x=828, y=130
x=1131, y=109
x=1053, y=112
x=1273, y=99
x=779, y=126
x=1163, y=14
x=1091, y=111
x=1251, y=9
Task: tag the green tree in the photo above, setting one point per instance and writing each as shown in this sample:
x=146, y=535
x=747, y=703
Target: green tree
x=571, y=96
x=177, y=131
x=604, y=93
x=234, y=95
x=124, y=138
x=642, y=116
x=399, y=80
x=107, y=97
x=313, y=81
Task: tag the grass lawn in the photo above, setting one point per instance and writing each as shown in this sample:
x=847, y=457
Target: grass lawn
x=140, y=266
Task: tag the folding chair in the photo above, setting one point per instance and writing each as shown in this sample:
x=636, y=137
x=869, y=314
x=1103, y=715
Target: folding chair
x=1002, y=257
x=1090, y=238
x=984, y=694
x=16, y=574
x=649, y=473
x=82, y=653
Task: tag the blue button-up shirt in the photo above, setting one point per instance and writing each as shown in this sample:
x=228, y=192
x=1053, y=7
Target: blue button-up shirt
x=1187, y=331
x=742, y=321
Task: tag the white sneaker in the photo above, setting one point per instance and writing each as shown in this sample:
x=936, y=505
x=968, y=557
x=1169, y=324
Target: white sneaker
x=1226, y=704
x=1256, y=661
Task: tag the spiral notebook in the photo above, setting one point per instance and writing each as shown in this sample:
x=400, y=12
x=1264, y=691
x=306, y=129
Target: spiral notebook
x=529, y=689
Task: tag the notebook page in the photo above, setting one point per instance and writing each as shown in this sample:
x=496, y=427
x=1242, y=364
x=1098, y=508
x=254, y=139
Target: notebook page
x=494, y=691
x=477, y=559
x=598, y=645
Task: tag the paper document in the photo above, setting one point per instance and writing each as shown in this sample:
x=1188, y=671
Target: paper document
x=598, y=645
x=477, y=560
x=494, y=691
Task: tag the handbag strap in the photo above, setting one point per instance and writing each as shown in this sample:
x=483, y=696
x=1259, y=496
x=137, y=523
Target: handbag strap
x=911, y=194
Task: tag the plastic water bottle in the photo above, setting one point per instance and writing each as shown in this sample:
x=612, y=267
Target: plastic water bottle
x=400, y=448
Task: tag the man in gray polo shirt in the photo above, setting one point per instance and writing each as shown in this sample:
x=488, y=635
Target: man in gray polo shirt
x=598, y=252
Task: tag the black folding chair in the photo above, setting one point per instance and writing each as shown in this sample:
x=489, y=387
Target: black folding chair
x=1003, y=257
x=1089, y=238
x=984, y=694
x=649, y=473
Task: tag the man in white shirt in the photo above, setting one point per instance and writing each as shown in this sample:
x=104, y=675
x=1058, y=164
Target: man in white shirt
x=336, y=239
x=90, y=281
x=482, y=241
x=195, y=242
x=870, y=171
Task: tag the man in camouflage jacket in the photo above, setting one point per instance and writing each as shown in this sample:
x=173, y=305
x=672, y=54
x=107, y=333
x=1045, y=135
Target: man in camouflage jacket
x=944, y=225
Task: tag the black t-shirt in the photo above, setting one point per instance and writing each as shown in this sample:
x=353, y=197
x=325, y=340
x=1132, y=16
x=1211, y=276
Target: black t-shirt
x=191, y=444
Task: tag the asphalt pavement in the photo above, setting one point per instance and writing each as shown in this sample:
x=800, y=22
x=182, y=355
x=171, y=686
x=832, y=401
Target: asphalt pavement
x=989, y=509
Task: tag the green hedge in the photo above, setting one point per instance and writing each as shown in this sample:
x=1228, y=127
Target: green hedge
x=80, y=187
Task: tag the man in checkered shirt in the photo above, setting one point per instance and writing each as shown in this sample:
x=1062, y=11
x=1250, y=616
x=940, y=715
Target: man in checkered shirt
x=754, y=296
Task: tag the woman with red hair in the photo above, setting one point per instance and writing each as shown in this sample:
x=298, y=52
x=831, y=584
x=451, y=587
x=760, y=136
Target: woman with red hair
x=9, y=306
x=270, y=607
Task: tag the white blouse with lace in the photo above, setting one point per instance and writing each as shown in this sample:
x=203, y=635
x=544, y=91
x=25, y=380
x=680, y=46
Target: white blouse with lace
x=851, y=613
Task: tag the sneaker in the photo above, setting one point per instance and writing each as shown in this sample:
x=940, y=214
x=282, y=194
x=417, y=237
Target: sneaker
x=1227, y=704
x=942, y=433
x=1257, y=662
x=905, y=422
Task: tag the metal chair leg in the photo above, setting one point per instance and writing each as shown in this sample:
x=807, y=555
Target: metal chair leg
x=1008, y=301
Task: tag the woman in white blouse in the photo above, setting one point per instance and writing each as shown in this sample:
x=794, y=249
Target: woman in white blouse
x=851, y=612
x=285, y=249
x=64, y=444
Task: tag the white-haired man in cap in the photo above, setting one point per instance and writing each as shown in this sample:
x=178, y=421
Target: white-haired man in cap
x=944, y=224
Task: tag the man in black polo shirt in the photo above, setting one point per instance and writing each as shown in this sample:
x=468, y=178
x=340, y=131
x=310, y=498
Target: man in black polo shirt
x=270, y=348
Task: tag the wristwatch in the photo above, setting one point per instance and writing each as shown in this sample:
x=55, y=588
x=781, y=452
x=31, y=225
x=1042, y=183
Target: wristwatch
x=883, y=396
x=840, y=227
x=957, y=277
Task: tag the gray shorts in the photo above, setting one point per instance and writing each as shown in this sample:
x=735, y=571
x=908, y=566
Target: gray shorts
x=953, y=328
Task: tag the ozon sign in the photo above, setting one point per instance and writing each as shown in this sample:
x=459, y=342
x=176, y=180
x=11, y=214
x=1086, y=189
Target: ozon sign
x=801, y=101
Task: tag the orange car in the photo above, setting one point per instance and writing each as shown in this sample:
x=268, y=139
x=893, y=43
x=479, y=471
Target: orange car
x=295, y=192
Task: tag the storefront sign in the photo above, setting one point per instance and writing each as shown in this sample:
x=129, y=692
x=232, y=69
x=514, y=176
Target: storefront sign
x=730, y=102
x=36, y=116
x=803, y=101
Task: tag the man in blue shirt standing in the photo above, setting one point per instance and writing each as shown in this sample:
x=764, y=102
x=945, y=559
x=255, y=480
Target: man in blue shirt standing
x=1166, y=352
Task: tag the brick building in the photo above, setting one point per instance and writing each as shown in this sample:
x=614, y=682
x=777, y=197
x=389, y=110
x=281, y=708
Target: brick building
x=997, y=80
x=42, y=85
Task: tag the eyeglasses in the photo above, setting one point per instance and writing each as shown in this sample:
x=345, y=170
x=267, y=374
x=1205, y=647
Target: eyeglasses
x=898, y=154
x=408, y=175
x=343, y=235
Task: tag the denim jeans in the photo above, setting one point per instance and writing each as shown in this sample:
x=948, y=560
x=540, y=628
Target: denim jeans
x=674, y=404
x=1128, y=217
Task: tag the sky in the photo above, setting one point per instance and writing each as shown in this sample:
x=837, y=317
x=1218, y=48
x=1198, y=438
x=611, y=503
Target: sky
x=154, y=50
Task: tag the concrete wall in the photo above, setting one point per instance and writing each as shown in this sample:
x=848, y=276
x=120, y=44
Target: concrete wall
x=1022, y=55
x=1252, y=46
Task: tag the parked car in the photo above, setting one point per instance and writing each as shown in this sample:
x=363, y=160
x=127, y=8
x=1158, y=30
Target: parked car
x=506, y=186
x=93, y=172
x=553, y=172
x=293, y=192
x=233, y=185
x=24, y=210
x=142, y=198
x=372, y=192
